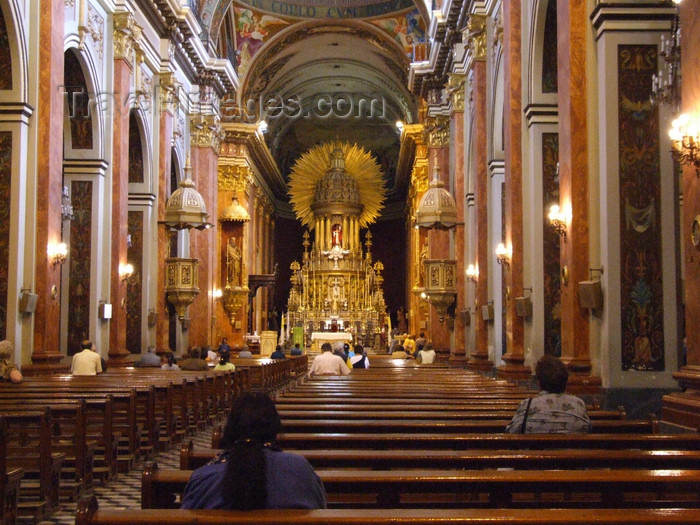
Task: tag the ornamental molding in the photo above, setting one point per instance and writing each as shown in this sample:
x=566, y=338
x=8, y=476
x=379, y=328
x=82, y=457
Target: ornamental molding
x=127, y=35
x=498, y=29
x=206, y=132
x=437, y=131
x=455, y=88
x=475, y=35
x=169, y=88
x=234, y=177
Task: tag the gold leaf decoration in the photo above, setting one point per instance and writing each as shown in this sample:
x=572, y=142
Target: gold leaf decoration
x=315, y=163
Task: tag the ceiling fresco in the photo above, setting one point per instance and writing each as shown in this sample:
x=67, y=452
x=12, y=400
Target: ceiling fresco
x=314, y=81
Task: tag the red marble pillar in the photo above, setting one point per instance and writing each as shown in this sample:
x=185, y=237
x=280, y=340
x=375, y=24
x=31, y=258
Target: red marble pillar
x=120, y=200
x=572, y=18
x=439, y=241
x=683, y=408
x=458, y=354
x=164, y=191
x=513, y=132
x=203, y=243
x=49, y=115
x=479, y=359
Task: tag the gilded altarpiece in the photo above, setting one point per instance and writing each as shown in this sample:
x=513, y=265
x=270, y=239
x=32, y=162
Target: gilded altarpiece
x=80, y=265
x=551, y=246
x=641, y=290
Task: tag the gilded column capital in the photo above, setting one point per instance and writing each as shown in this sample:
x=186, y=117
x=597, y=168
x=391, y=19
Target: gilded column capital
x=205, y=131
x=233, y=177
x=475, y=35
x=127, y=34
x=455, y=87
x=437, y=131
x=169, y=87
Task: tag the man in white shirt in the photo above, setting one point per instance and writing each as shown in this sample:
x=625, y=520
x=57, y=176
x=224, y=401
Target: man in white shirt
x=87, y=362
x=328, y=364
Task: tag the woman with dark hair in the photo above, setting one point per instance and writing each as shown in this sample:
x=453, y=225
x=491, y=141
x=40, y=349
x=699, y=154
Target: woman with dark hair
x=252, y=472
x=552, y=411
x=359, y=360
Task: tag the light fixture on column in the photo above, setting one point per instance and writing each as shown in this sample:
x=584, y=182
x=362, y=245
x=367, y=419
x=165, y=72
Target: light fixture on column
x=473, y=273
x=685, y=139
x=666, y=84
x=57, y=253
x=126, y=271
x=559, y=219
x=502, y=254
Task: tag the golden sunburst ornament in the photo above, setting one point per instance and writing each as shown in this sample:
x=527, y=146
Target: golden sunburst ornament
x=315, y=163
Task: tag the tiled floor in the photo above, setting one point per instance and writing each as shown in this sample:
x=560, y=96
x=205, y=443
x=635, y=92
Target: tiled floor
x=125, y=491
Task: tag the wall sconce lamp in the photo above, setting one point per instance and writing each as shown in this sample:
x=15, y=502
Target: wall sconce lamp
x=126, y=271
x=472, y=273
x=217, y=293
x=685, y=139
x=502, y=254
x=559, y=219
x=57, y=253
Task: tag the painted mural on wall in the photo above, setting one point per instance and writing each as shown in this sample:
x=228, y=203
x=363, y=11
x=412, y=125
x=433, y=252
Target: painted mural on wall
x=253, y=29
x=407, y=29
x=80, y=265
x=5, y=55
x=5, y=204
x=641, y=290
x=134, y=255
x=551, y=246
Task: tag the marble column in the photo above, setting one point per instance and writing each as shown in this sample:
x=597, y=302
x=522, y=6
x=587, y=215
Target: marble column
x=683, y=408
x=167, y=110
x=437, y=130
x=572, y=18
x=455, y=86
x=514, y=357
x=479, y=357
x=126, y=36
x=49, y=160
x=205, y=143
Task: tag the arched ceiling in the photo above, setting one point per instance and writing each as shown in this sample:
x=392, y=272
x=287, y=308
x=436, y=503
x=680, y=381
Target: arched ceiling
x=314, y=81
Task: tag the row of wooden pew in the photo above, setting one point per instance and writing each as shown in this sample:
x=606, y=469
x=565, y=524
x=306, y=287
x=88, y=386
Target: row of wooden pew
x=369, y=459
x=62, y=433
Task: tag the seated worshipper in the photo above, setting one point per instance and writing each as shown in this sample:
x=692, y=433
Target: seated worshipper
x=296, y=350
x=359, y=360
x=427, y=355
x=210, y=355
x=252, y=472
x=409, y=345
x=86, y=362
x=552, y=411
x=150, y=358
x=194, y=361
x=328, y=363
x=278, y=353
x=245, y=353
x=399, y=352
x=421, y=341
x=8, y=369
x=225, y=363
x=170, y=362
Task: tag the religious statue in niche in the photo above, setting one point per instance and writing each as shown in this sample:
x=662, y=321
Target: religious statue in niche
x=233, y=262
x=336, y=235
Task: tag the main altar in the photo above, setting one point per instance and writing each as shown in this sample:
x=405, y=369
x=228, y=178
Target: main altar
x=336, y=190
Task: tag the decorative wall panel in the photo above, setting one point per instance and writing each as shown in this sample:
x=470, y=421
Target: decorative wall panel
x=80, y=264
x=551, y=246
x=5, y=205
x=135, y=151
x=641, y=290
x=79, y=112
x=134, y=309
x=5, y=55
x=549, y=50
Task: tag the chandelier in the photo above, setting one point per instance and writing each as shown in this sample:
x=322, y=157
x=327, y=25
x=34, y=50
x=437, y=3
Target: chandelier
x=666, y=84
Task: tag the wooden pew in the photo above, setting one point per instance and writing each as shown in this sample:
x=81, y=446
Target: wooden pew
x=89, y=514
x=191, y=458
x=9, y=482
x=607, y=488
x=28, y=438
